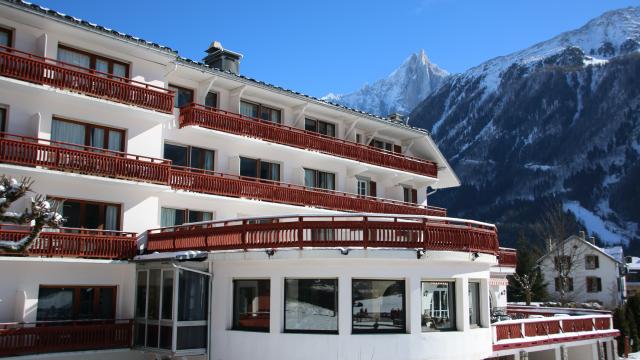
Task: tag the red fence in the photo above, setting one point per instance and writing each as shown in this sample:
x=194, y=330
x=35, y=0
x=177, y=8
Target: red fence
x=34, y=338
x=40, y=70
x=330, y=231
x=102, y=244
x=211, y=118
x=508, y=257
x=53, y=155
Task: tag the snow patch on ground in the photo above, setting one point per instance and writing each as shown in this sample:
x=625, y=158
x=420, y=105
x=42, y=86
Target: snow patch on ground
x=594, y=224
x=532, y=166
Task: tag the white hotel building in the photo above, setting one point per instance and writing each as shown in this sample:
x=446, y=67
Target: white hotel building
x=309, y=232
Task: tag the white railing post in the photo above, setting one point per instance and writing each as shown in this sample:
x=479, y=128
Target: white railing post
x=494, y=334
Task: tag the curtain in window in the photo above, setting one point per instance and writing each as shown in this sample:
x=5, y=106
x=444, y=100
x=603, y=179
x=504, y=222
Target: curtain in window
x=111, y=218
x=208, y=160
x=119, y=70
x=4, y=38
x=97, y=138
x=309, y=178
x=74, y=58
x=207, y=216
x=67, y=132
x=247, y=109
x=115, y=140
x=168, y=217
x=102, y=66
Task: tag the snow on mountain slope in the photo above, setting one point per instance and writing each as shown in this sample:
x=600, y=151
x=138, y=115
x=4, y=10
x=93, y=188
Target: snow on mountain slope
x=400, y=92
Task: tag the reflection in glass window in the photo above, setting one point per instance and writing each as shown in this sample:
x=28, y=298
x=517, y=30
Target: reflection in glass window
x=438, y=305
x=251, y=305
x=474, y=304
x=378, y=306
x=311, y=305
x=193, y=291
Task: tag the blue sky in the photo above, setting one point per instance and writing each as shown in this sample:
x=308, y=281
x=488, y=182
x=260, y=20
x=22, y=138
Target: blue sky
x=317, y=47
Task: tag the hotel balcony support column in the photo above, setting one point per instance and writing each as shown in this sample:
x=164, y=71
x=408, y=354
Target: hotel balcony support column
x=485, y=309
x=345, y=304
x=414, y=305
x=462, y=307
x=235, y=95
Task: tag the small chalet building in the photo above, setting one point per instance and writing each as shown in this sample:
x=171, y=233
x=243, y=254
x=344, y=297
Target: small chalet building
x=596, y=274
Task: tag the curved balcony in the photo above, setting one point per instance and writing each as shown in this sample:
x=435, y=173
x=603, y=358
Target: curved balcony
x=71, y=242
x=46, y=337
x=215, y=119
x=21, y=150
x=45, y=71
x=353, y=230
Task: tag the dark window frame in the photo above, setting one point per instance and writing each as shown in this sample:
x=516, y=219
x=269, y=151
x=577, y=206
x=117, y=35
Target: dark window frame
x=326, y=124
x=593, y=284
x=403, y=330
x=95, y=57
x=187, y=214
x=316, y=179
x=569, y=284
x=3, y=118
x=177, y=89
x=76, y=299
x=453, y=314
x=189, y=149
x=102, y=211
x=409, y=194
x=302, y=331
x=9, y=33
x=595, y=264
x=217, y=96
x=87, y=133
x=259, y=163
x=234, y=323
x=261, y=107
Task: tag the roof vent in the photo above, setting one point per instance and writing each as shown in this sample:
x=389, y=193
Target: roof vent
x=396, y=117
x=220, y=58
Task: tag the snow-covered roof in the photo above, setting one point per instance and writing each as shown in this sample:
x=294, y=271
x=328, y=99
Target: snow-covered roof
x=634, y=265
x=615, y=252
x=594, y=247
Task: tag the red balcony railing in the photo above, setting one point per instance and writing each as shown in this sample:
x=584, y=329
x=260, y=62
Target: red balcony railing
x=508, y=257
x=45, y=71
x=86, y=243
x=45, y=337
x=212, y=118
x=354, y=230
x=54, y=155
x=514, y=334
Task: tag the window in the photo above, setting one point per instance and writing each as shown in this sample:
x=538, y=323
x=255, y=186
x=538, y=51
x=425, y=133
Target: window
x=3, y=119
x=591, y=262
x=384, y=145
x=378, y=306
x=410, y=195
x=6, y=37
x=92, y=61
x=359, y=138
x=366, y=187
x=594, y=284
x=256, y=168
x=155, y=317
x=182, y=97
x=319, y=179
x=251, y=305
x=175, y=217
x=320, y=127
x=568, y=284
x=562, y=262
x=311, y=305
x=89, y=214
x=438, y=306
x=189, y=156
x=211, y=100
x=78, y=133
x=260, y=111
x=474, y=304
x=76, y=303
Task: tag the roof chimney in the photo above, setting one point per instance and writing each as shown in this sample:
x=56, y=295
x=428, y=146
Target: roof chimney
x=220, y=58
x=581, y=234
x=592, y=240
x=396, y=117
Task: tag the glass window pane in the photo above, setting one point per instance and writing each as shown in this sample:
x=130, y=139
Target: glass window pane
x=207, y=163
x=141, y=294
x=5, y=37
x=111, y=217
x=74, y=58
x=3, y=118
x=265, y=113
x=192, y=337
x=152, y=335
x=115, y=140
x=275, y=116
x=248, y=167
x=438, y=306
x=474, y=303
x=92, y=219
x=102, y=65
x=193, y=294
x=167, y=294
x=120, y=70
x=197, y=216
x=310, y=125
x=311, y=305
x=55, y=304
x=211, y=100
x=85, y=303
x=71, y=212
x=96, y=137
x=154, y=294
x=248, y=109
x=138, y=330
x=166, y=333
x=378, y=306
x=176, y=153
x=269, y=171
x=106, y=303
x=251, y=304
x=310, y=178
x=68, y=132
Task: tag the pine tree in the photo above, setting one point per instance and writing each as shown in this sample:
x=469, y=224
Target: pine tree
x=527, y=284
x=621, y=323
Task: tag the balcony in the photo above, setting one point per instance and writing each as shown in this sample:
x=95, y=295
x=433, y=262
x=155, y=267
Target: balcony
x=46, y=337
x=215, y=119
x=357, y=230
x=45, y=71
x=507, y=257
x=70, y=242
x=32, y=152
x=515, y=334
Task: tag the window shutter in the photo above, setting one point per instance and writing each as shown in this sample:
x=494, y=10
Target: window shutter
x=597, y=261
x=372, y=189
x=397, y=148
x=414, y=196
x=557, y=284
x=589, y=284
x=599, y=284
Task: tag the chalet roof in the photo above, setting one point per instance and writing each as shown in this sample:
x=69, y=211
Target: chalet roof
x=603, y=251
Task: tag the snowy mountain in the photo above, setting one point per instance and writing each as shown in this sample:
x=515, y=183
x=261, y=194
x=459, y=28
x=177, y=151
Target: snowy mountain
x=400, y=92
x=559, y=119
